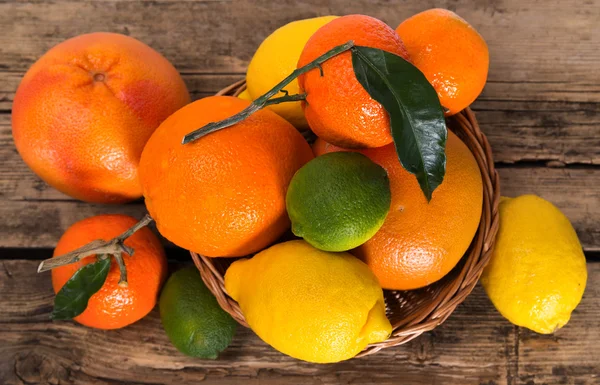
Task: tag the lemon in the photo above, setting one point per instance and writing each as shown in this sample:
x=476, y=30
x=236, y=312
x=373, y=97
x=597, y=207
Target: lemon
x=245, y=95
x=276, y=58
x=338, y=201
x=537, y=273
x=192, y=318
x=309, y=304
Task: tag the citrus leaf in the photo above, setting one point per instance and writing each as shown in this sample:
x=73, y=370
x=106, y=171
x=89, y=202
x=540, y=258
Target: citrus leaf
x=416, y=115
x=73, y=297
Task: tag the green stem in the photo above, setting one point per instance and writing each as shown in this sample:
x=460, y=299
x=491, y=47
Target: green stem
x=286, y=98
x=115, y=246
x=265, y=99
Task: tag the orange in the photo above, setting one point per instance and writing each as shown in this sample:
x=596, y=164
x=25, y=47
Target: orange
x=421, y=242
x=113, y=306
x=321, y=147
x=337, y=107
x=222, y=195
x=84, y=111
x=450, y=52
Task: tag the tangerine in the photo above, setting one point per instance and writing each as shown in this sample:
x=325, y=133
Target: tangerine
x=337, y=107
x=114, y=306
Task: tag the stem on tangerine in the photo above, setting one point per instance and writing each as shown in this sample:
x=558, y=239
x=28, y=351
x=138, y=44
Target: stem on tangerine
x=114, y=247
x=265, y=100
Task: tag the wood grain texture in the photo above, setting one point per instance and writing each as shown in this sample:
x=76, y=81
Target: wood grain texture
x=475, y=346
x=541, y=107
x=542, y=101
x=30, y=219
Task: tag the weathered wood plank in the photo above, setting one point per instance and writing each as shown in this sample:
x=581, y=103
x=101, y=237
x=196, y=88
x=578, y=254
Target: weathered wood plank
x=545, y=126
x=40, y=224
x=220, y=36
x=29, y=221
x=469, y=349
x=475, y=346
x=541, y=103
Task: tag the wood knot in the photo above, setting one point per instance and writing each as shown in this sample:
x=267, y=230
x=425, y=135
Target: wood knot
x=424, y=347
x=34, y=368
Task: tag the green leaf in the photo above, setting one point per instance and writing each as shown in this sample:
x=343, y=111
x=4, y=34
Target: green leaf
x=73, y=298
x=416, y=116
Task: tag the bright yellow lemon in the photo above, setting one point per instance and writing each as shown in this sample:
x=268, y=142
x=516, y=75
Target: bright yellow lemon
x=310, y=304
x=537, y=274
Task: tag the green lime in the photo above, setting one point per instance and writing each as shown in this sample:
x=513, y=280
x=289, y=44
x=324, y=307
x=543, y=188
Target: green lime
x=338, y=201
x=192, y=318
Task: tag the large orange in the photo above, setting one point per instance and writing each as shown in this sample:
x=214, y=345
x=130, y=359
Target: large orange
x=421, y=242
x=337, y=107
x=222, y=195
x=113, y=306
x=84, y=111
x=450, y=52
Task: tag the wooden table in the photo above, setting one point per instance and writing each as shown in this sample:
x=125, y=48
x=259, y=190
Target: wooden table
x=540, y=110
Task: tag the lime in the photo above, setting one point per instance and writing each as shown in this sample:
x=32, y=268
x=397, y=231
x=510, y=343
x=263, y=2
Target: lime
x=192, y=318
x=338, y=201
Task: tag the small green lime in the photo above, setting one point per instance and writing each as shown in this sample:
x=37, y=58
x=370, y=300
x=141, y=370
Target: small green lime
x=338, y=201
x=192, y=318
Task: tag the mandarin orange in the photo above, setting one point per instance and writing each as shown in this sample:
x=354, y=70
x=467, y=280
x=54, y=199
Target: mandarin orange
x=113, y=306
x=84, y=111
x=222, y=195
x=337, y=107
x=450, y=52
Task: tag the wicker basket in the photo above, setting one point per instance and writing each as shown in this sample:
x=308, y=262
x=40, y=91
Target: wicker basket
x=413, y=312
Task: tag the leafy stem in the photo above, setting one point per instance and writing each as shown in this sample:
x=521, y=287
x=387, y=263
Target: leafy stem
x=265, y=100
x=114, y=247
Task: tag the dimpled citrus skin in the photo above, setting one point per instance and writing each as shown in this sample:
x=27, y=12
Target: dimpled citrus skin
x=338, y=201
x=84, y=111
x=113, y=306
x=537, y=274
x=276, y=58
x=321, y=147
x=450, y=52
x=421, y=242
x=337, y=107
x=310, y=304
x=222, y=195
x=192, y=318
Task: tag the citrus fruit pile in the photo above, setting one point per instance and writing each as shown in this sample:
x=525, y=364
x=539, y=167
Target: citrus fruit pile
x=386, y=198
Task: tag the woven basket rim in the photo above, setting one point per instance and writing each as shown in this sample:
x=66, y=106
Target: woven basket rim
x=444, y=299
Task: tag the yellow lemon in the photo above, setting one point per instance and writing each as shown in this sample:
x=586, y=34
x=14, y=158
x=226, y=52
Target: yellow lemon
x=310, y=304
x=245, y=95
x=276, y=58
x=537, y=273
